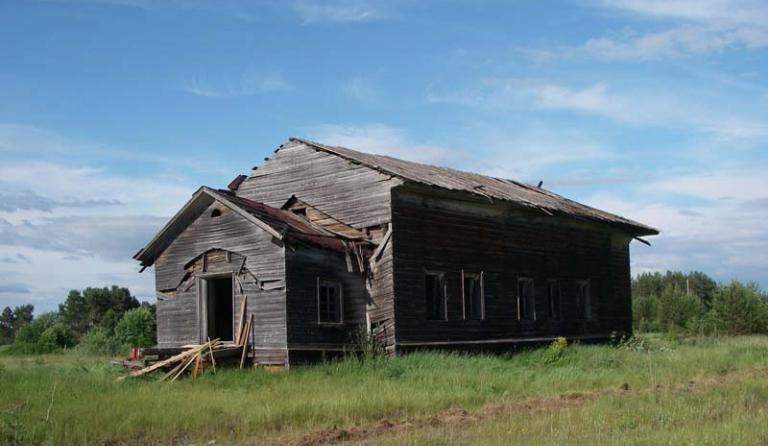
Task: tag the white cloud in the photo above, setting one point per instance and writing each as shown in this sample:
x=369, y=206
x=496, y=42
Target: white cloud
x=703, y=26
x=636, y=107
x=383, y=140
x=722, y=232
x=75, y=220
x=675, y=42
x=250, y=83
x=361, y=89
x=336, y=11
x=734, y=12
x=724, y=185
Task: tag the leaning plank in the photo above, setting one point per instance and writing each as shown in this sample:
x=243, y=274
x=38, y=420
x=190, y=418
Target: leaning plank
x=213, y=360
x=191, y=360
x=245, y=341
x=241, y=320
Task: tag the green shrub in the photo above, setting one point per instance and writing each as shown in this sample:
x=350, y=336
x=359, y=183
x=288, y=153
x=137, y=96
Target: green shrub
x=555, y=350
x=136, y=328
x=99, y=341
x=740, y=309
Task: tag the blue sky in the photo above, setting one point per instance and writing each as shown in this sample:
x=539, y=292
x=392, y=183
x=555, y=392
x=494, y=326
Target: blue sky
x=112, y=112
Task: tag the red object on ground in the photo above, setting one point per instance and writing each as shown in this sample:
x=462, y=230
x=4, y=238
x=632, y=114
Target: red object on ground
x=134, y=353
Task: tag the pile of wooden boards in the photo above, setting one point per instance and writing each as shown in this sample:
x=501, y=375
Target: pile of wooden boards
x=197, y=356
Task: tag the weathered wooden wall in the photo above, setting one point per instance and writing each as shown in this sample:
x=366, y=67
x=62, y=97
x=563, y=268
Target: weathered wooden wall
x=351, y=193
x=381, y=292
x=304, y=265
x=177, y=315
x=437, y=231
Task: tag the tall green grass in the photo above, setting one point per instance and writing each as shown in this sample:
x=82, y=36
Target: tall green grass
x=727, y=414
x=71, y=400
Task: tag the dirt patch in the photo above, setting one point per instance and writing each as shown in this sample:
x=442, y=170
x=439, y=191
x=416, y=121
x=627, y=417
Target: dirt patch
x=447, y=417
x=455, y=416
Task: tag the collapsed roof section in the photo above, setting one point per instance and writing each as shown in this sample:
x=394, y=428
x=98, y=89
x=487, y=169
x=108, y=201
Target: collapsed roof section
x=281, y=224
x=481, y=185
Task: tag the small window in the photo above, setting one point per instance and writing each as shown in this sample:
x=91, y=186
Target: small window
x=584, y=299
x=526, y=299
x=473, y=296
x=329, y=302
x=435, y=296
x=216, y=213
x=553, y=299
x=302, y=212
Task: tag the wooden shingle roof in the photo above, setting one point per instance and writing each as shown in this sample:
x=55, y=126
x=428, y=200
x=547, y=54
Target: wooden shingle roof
x=482, y=185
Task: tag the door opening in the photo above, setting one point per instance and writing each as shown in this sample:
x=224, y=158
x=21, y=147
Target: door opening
x=219, y=308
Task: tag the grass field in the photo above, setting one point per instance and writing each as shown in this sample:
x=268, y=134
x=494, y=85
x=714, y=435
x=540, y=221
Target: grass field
x=694, y=391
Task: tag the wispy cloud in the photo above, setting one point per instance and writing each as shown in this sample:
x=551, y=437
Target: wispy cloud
x=361, y=89
x=251, y=82
x=28, y=200
x=55, y=212
x=636, y=107
x=721, y=12
x=383, y=140
x=336, y=11
x=702, y=27
x=632, y=46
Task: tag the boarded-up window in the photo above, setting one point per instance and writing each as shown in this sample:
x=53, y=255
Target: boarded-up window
x=435, y=296
x=329, y=302
x=553, y=299
x=526, y=299
x=472, y=285
x=584, y=299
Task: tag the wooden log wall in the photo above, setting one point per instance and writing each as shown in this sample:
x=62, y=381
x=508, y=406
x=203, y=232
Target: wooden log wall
x=351, y=193
x=177, y=312
x=381, y=292
x=304, y=266
x=440, y=232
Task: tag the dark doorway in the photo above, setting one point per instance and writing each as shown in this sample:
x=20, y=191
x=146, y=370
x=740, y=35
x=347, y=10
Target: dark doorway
x=220, y=308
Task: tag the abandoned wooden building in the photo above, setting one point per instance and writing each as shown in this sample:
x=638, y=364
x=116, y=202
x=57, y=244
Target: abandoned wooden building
x=327, y=241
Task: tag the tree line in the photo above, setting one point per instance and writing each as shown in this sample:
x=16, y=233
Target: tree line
x=693, y=303
x=97, y=320
x=109, y=320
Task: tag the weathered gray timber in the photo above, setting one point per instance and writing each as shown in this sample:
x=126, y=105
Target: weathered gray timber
x=326, y=241
x=352, y=193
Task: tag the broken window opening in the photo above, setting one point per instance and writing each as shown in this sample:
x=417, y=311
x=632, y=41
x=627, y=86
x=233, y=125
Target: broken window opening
x=435, y=296
x=526, y=299
x=472, y=287
x=329, y=302
x=584, y=299
x=216, y=213
x=553, y=299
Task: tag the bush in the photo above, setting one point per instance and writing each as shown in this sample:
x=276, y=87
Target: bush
x=679, y=311
x=136, y=328
x=58, y=335
x=740, y=309
x=99, y=341
x=554, y=352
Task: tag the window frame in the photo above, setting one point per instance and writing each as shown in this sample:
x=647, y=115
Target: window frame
x=584, y=302
x=340, y=287
x=481, y=279
x=441, y=277
x=520, y=315
x=559, y=315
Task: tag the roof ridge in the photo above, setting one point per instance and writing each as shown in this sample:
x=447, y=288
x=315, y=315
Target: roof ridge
x=504, y=189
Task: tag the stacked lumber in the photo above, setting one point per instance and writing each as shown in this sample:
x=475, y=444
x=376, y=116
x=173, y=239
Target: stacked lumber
x=197, y=356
